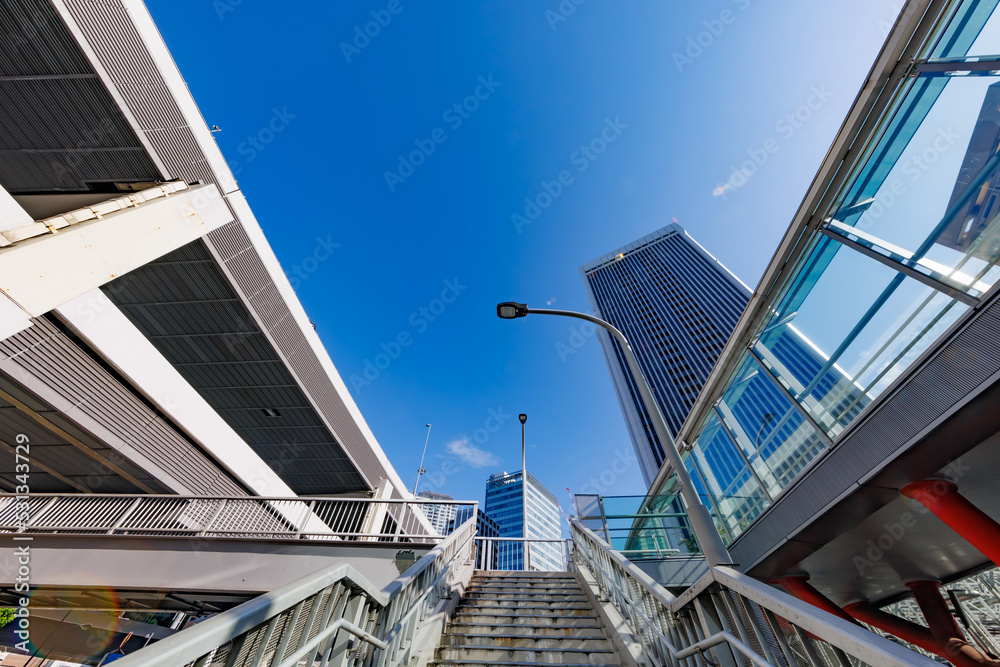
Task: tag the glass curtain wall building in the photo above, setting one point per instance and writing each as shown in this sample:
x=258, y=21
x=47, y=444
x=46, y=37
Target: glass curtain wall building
x=903, y=245
x=505, y=504
x=677, y=305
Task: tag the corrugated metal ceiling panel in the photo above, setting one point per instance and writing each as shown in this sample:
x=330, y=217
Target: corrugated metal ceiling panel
x=217, y=347
x=62, y=132
x=48, y=355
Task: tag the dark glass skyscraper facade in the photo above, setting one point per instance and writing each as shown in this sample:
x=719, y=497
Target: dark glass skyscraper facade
x=678, y=306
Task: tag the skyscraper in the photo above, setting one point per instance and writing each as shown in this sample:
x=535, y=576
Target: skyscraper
x=677, y=305
x=505, y=504
x=440, y=516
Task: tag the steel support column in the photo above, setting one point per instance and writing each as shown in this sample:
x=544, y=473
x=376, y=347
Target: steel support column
x=799, y=586
x=960, y=656
x=943, y=499
x=942, y=624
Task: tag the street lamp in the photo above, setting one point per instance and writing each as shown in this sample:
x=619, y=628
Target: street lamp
x=524, y=496
x=421, y=470
x=701, y=520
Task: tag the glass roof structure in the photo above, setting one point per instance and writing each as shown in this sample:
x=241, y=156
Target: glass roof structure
x=897, y=240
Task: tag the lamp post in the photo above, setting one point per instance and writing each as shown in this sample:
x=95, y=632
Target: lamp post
x=421, y=470
x=701, y=520
x=524, y=496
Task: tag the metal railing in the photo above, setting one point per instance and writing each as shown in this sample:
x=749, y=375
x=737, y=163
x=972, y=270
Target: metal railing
x=332, y=618
x=728, y=618
x=519, y=554
x=247, y=517
x=640, y=527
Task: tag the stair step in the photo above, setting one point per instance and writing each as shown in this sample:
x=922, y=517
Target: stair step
x=521, y=573
x=511, y=583
x=510, y=663
x=522, y=590
x=516, y=641
x=506, y=581
x=545, y=581
x=448, y=652
x=548, y=597
x=580, y=629
x=552, y=620
x=530, y=603
x=533, y=576
x=560, y=592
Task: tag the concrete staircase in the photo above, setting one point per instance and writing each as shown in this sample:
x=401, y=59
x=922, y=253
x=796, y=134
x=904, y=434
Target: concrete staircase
x=525, y=618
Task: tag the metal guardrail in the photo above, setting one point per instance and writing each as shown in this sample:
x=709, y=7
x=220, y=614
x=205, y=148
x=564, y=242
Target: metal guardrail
x=640, y=527
x=508, y=554
x=332, y=618
x=729, y=618
x=247, y=517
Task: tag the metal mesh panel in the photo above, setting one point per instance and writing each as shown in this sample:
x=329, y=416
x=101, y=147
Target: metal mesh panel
x=768, y=632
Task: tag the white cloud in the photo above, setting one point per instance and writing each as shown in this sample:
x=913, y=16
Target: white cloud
x=470, y=454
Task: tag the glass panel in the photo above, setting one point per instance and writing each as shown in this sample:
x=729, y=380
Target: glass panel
x=588, y=508
x=706, y=498
x=776, y=439
x=935, y=206
x=834, y=351
x=974, y=31
x=645, y=527
x=737, y=495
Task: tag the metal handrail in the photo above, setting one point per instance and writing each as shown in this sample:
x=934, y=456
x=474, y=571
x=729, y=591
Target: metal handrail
x=323, y=611
x=491, y=556
x=240, y=517
x=726, y=607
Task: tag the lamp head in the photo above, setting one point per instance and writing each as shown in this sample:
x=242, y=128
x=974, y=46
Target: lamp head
x=523, y=417
x=509, y=310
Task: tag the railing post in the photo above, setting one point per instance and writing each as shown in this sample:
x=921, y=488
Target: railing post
x=342, y=644
x=126, y=514
x=772, y=621
x=286, y=634
x=234, y=650
x=45, y=508
x=399, y=523
x=212, y=520
x=333, y=613
x=264, y=641
x=305, y=518
x=807, y=646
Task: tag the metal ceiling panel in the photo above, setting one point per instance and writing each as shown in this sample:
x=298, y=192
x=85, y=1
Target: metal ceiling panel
x=43, y=356
x=52, y=452
x=60, y=130
x=207, y=333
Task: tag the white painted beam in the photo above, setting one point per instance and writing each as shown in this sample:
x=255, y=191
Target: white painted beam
x=53, y=261
x=11, y=213
x=13, y=319
x=112, y=335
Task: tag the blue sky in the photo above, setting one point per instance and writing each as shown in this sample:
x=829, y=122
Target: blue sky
x=403, y=219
